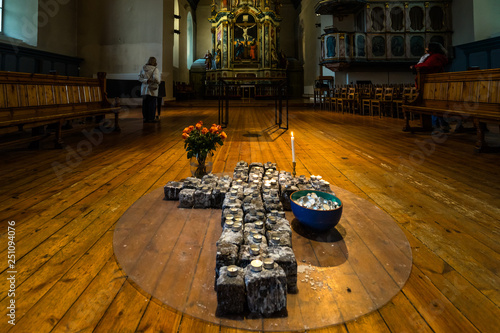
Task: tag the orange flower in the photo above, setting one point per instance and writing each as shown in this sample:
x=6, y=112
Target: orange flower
x=219, y=127
x=213, y=129
x=223, y=135
x=191, y=128
x=186, y=130
x=199, y=125
x=204, y=130
x=185, y=136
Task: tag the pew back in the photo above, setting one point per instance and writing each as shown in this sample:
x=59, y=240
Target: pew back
x=472, y=92
x=41, y=99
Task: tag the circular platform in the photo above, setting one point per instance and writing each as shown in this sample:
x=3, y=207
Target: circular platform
x=343, y=274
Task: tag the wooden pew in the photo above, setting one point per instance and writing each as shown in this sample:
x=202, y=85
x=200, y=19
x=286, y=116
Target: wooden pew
x=469, y=95
x=40, y=99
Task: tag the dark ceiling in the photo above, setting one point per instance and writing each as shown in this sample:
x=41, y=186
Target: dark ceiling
x=194, y=3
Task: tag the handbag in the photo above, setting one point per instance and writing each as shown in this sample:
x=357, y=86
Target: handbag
x=152, y=86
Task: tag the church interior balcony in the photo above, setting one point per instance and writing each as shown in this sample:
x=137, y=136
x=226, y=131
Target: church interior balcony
x=391, y=35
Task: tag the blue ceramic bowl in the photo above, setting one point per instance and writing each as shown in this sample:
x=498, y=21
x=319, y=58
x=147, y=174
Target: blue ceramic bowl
x=316, y=219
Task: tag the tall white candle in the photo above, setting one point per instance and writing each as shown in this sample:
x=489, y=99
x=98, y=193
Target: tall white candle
x=293, y=148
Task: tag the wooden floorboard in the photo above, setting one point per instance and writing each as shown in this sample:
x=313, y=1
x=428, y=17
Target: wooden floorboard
x=444, y=197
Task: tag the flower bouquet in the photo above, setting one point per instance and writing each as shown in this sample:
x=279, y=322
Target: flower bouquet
x=200, y=142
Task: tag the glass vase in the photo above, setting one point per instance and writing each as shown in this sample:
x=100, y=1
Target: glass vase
x=201, y=166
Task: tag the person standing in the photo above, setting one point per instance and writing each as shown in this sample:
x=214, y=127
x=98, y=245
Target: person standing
x=150, y=81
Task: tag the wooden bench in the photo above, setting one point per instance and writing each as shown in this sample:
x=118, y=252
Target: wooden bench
x=469, y=95
x=39, y=99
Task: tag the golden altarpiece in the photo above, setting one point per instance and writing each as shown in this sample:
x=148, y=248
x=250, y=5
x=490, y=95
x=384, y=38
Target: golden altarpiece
x=245, y=41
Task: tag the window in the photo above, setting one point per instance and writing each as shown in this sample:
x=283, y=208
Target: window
x=1, y=16
x=175, y=55
x=190, y=40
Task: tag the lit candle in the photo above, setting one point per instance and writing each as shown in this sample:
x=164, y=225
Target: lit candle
x=293, y=148
x=232, y=271
x=256, y=265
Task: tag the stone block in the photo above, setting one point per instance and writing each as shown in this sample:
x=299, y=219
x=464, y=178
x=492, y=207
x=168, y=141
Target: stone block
x=285, y=258
x=186, y=198
x=231, y=295
x=266, y=291
x=172, y=189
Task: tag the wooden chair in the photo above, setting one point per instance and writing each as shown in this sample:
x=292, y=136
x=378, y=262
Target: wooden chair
x=332, y=99
x=350, y=100
x=375, y=102
x=387, y=101
x=398, y=100
x=341, y=98
x=410, y=96
x=322, y=86
x=364, y=98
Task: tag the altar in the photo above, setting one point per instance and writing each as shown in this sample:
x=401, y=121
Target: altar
x=245, y=42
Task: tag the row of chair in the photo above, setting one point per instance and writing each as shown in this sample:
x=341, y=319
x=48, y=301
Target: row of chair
x=374, y=100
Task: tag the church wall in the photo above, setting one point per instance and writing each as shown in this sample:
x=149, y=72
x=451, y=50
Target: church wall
x=463, y=22
x=203, y=34
x=486, y=19
x=288, y=32
x=113, y=36
x=45, y=25
x=57, y=26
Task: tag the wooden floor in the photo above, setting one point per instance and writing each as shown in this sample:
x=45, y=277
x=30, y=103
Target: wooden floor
x=66, y=204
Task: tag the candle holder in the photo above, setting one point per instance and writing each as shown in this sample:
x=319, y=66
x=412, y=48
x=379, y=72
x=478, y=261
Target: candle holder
x=294, y=164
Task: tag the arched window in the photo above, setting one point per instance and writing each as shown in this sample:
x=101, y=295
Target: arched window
x=190, y=41
x=397, y=17
x=175, y=55
x=378, y=18
x=417, y=18
x=437, y=18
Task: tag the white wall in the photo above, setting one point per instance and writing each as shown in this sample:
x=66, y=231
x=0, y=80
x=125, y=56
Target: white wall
x=58, y=27
x=462, y=12
x=486, y=19
x=118, y=36
x=203, y=26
